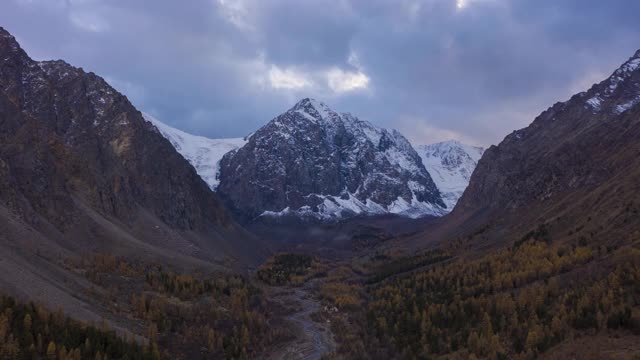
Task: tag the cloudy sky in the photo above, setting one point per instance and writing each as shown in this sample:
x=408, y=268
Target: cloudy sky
x=473, y=70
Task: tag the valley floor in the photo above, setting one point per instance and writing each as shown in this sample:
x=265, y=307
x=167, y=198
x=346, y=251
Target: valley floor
x=313, y=338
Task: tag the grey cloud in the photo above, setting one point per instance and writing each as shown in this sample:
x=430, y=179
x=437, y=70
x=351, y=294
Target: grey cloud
x=435, y=71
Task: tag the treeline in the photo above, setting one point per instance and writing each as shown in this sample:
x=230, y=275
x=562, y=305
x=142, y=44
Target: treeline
x=340, y=290
x=188, y=315
x=188, y=286
x=289, y=269
x=511, y=303
x=29, y=331
x=405, y=264
x=227, y=315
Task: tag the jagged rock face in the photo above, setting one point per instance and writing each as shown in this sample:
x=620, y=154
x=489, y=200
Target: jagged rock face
x=67, y=137
x=450, y=164
x=574, y=145
x=314, y=161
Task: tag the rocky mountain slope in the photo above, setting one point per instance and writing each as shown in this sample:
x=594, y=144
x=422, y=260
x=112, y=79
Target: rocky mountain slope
x=312, y=161
x=450, y=164
x=571, y=175
x=203, y=153
x=578, y=144
x=82, y=172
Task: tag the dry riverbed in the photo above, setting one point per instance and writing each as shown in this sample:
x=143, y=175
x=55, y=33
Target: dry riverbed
x=313, y=339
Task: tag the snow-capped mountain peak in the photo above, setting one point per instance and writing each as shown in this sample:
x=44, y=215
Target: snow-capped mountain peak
x=203, y=153
x=450, y=164
x=312, y=160
x=314, y=110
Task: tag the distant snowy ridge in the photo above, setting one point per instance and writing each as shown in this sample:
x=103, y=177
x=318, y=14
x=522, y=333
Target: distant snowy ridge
x=203, y=153
x=450, y=164
x=386, y=174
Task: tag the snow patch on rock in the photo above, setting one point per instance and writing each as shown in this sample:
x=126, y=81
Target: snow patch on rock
x=336, y=208
x=620, y=92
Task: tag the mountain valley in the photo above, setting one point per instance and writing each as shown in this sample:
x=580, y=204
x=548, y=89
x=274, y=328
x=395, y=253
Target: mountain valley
x=318, y=236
